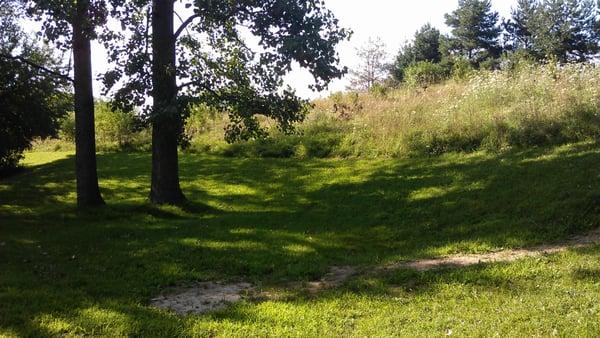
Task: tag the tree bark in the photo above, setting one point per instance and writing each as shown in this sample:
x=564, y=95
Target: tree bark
x=166, y=119
x=88, y=192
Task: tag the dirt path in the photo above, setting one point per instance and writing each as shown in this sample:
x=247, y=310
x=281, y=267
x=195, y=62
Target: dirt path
x=208, y=296
x=590, y=238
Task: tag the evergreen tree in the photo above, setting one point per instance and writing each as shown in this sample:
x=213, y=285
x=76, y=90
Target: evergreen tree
x=425, y=47
x=566, y=30
x=522, y=26
x=475, y=30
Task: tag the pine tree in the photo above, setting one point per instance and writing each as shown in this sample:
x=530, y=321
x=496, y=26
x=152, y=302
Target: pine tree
x=522, y=26
x=566, y=30
x=475, y=30
x=425, y=47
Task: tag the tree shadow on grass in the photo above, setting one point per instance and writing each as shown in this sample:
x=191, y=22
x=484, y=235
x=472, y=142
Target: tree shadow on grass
x=272, y=221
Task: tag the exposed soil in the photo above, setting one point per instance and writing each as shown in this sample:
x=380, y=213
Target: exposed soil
x=209, y=296
x=499, y=256
x=201, y=297
x=336, y=276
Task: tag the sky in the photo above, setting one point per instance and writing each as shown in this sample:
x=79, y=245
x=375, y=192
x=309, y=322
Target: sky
x=394, y=21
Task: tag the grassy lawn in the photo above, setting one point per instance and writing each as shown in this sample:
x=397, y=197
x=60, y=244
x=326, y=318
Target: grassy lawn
x=269, y=221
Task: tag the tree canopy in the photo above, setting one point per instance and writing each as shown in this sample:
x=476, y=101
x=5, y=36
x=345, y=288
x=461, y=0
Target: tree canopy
x=217, y=66
x=567, y=30
x=373, y=68
x=32, y=97
x=207, y=59
x=425, y=47
x=475, y=30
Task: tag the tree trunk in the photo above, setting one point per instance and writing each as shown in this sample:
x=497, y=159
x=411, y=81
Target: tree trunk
x=166, y=119
x=88, y=192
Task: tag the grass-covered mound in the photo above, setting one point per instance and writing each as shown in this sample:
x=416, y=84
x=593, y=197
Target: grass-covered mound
x=272, y=221
x=519, y=108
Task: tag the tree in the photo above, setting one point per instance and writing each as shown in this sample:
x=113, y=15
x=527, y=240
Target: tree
x=475, y=30
x=522, y=26
x=206, y=60
x=566, y=30
x=425, y=47
x=71, y=25
x=373, y=68
x=32, y=97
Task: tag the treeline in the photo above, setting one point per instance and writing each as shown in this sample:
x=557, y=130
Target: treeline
x=558, y=31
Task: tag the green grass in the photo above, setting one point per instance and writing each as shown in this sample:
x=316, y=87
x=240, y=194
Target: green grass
x=272, y=221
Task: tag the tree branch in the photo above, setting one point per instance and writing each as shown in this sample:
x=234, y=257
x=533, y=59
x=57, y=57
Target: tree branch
x=200, y=85
x=184, y=24
x=36, y=66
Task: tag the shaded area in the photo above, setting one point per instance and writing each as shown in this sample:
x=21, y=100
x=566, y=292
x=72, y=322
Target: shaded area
x=267, y=222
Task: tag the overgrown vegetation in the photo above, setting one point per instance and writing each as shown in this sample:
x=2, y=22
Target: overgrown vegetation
x=525, y=105
x=31, y=101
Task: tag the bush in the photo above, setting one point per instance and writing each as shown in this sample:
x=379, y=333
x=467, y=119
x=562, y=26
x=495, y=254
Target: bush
x=115, y=129
x=523, y=106
x=345, y=105
x=424, y=74
x=201, y=121
x=31, y=105
x=67, y=128
x=462, y=69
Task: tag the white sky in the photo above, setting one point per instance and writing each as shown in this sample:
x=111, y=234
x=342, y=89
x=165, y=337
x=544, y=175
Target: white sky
x=394, y=21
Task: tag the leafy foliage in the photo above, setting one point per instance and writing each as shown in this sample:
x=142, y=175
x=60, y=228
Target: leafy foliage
x=114, y=128
x=31, y=99
x=425, y=47
x=57, y=17
x=216, y=67
x=424, y=73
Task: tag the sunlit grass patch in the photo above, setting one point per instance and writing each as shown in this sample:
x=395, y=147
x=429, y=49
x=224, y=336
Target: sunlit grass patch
x=279, y=222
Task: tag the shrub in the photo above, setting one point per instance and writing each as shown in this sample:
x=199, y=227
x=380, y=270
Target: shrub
x=31, y=104
x=380, y=90
x=67, y=128
x=201, y=121
x=115, y=129
x=462, y=69
x=345, y=105
x=523, y=106
x=424, y=74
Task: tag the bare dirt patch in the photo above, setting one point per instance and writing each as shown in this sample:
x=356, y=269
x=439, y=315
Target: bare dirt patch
x=499, y=256
x=336, y=276
x=202, y=297
x=209, y=296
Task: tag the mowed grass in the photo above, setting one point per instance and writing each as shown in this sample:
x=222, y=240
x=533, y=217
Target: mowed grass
x=274, y=221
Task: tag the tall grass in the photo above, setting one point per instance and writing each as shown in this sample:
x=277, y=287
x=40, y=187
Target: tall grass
x=525, y=106
x=531, y=105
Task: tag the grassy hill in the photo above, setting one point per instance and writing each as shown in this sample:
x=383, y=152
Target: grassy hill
x=519, y=108
x=275, y=221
